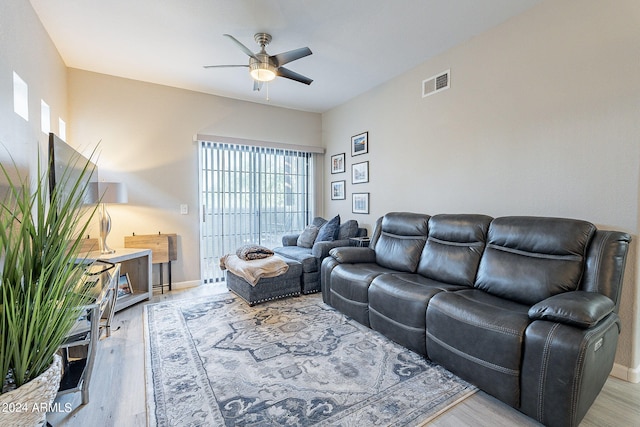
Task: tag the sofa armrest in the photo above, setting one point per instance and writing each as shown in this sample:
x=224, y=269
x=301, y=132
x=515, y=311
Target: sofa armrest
x=564, y=369
x=290, y=239
x=605, y=264
x=353, y=255
x=321, y=250
x=577, y=308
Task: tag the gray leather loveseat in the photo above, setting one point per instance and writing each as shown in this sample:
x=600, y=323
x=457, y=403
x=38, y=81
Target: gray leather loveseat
x=523, y=307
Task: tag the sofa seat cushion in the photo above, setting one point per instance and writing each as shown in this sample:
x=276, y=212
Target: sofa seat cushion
x=352, y=280
x=479, y=337
x=398, y=307
x=349, y=288
x=302, y=255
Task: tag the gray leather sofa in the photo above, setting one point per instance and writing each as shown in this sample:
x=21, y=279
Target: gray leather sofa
x=523, y=307
x=311, y=257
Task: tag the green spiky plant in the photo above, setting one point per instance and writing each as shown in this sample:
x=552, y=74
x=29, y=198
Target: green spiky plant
x=40, y=296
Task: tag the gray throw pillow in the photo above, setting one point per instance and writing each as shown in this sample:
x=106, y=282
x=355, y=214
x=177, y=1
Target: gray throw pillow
x=308, y=236
x=318, y=221
x=329, y=231
x=348, y=229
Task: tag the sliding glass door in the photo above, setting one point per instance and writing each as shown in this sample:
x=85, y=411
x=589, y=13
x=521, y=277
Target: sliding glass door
x=250, y=195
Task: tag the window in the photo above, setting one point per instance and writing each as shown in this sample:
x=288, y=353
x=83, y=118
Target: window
x=62, y=129
x=20, y=97
x=250, y=195
x=45, y=117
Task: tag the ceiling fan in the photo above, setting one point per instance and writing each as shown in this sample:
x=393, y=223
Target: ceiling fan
x=264, y=67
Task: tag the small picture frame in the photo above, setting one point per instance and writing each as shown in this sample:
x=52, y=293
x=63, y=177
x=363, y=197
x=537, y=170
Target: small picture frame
x=337, y=163
x=124, y=285
x=360, y=173
x=360, y=203
x=360, y=144
x=337, y=190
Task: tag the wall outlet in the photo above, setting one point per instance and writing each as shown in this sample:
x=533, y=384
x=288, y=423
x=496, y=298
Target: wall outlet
x=184, y=209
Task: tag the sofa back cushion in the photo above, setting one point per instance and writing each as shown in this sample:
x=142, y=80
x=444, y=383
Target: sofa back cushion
x=528, y=259
x=401, y=240
x=454, y=247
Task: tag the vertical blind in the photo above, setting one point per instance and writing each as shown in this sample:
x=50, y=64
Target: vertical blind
x=250, y=195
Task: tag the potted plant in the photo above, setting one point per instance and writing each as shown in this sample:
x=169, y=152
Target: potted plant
x=40, y=291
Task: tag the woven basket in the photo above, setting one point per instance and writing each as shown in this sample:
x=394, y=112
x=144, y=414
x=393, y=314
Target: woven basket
x=27, y=406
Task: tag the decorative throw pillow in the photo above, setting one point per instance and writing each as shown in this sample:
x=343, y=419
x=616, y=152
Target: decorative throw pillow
x=318, y=221
x=308, y=236
x=348, y=229
x=329, y=231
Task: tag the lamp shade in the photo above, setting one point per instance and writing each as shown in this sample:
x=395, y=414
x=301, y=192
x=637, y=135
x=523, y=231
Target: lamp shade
x=107, y=192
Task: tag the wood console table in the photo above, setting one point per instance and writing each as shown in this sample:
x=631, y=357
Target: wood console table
x=163, y=246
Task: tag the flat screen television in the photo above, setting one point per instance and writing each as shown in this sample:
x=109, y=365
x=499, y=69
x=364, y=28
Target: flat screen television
x=66, y=166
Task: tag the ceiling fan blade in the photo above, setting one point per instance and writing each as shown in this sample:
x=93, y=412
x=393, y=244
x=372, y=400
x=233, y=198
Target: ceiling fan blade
x=257, y=85
x=288, y=74
x=242, y=47
x=223, y=66
x=292, y=55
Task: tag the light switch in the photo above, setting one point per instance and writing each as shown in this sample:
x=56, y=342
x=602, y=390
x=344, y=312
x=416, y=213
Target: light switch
x=184, y=209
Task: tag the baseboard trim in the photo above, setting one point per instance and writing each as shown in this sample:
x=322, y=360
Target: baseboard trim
x=625, y=373
x=185, y=285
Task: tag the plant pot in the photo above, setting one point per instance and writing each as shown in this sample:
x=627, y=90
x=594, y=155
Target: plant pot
x=27, y=405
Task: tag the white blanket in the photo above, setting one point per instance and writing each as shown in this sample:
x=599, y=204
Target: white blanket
x=254, y=270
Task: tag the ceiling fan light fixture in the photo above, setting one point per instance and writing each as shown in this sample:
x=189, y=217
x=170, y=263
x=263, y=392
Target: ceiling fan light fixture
x=264, y=67
x=262, y=71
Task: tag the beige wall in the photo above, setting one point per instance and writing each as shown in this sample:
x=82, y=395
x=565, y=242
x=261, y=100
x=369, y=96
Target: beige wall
x=542, y=118
x=26, y=48
x=146, y=134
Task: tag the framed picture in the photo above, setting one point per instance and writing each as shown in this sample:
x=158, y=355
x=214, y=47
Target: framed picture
x=360, y=203
x=360, y=173
x=337, y=190
x=360, y=144
x=337, y=163
x=124, y=286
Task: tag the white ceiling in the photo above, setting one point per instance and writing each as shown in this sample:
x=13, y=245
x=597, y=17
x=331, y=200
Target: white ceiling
x=356, y=44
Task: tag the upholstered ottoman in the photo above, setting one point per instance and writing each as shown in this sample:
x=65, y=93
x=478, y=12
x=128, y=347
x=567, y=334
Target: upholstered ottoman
x=267, y=288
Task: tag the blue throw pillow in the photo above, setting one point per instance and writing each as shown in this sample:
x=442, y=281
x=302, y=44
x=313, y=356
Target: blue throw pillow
x=329, y=230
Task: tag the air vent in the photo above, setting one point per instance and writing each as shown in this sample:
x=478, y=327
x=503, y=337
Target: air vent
x=436, y=83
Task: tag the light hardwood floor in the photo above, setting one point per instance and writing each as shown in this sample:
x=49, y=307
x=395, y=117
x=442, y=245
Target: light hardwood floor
x=117, y=392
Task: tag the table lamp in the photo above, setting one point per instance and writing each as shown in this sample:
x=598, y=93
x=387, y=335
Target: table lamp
x=106, y=192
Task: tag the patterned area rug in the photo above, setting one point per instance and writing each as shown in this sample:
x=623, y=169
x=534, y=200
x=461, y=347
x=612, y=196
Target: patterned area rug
x=292, y=362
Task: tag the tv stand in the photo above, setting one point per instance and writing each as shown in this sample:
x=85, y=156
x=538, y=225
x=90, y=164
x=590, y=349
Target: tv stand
x=134, y=262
